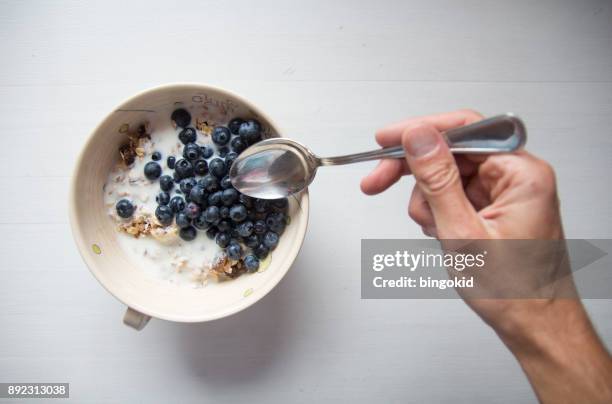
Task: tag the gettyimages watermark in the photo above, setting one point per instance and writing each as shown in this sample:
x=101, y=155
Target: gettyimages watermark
x=486, y=269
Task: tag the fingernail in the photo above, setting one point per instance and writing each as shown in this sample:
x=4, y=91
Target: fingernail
x=421, y=142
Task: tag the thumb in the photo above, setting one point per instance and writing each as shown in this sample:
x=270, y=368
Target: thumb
x=437, y=175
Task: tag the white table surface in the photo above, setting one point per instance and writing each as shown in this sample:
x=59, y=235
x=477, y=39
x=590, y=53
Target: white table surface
x=330, y=73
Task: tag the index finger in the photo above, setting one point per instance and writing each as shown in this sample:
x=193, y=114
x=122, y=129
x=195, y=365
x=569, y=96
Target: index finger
x=391, y=135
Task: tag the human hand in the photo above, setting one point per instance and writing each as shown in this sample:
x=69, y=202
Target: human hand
x=505, y=196
x=478, y=197
x=502, y=196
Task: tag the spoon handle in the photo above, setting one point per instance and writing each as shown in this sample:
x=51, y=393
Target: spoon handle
x=499, y=134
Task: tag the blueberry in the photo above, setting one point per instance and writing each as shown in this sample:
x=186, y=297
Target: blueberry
x=250, y=131
x=237, y=145
x=200, y=222
x=210, y=183
x=197, y=194
x=125, y=209
x=176, y=177
x=200, y=167
x=260, y=205
x=217, y=167
x=270, y=239
x=166, y=183
x=224, y=212
x=234, y=125
x=221, y=135
x=226, y=182
x=238, y=213
x=163, y=198
x=152, y=170
x=245, y=229
x=192, y=151
x=187, y=185
x=254, y=215
x=207, y=151
x=252, y=241
x=183, y=168
x=251, y=214
x=251, y=262
x=188, y=233
x=222, y=151
x=156, y=156
x=234, y=251
x=229, y=159
x=187, y=135
x=229, y=196
x=259, y=227
x=222, y=239
x=214, y=198
x=211, y=233
x=177, y=204
x=171, y=161
x=276, y=222
x=279, y=205
x=181, y=117
x=192, y=210
x=246, y=200
x=278, y=227
x=211, y=214
x=275, y=217
x=261, y=251
x=164, y=214
x=224, y=225
x=182, y=220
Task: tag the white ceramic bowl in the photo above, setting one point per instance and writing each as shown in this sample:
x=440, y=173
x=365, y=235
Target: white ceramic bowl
x=95, y=233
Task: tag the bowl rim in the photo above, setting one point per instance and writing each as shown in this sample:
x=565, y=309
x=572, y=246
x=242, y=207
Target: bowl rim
x=126, y=299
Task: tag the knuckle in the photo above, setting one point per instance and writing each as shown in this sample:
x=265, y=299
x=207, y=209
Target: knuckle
x=439, y=177
x=418, y=213
x=413, y=211
x=548, y=172
x=544, y=181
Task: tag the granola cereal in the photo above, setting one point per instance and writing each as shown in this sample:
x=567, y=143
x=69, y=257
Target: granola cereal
x=174, y=207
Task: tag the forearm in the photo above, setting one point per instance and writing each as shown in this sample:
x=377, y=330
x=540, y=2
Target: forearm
x=560, y=352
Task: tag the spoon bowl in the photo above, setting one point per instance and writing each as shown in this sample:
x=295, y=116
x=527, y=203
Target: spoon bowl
x=274, y=168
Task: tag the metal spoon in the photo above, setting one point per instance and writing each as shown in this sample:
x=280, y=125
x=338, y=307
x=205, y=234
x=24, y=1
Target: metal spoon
x=276, y=168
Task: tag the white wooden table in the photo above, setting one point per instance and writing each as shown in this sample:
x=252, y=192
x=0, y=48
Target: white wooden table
x=330, y=73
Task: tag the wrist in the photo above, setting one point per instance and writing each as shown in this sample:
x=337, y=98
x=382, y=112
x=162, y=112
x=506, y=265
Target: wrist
x=537, y=325
x=557, y=347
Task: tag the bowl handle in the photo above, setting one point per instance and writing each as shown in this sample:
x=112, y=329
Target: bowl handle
x=135, y=319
